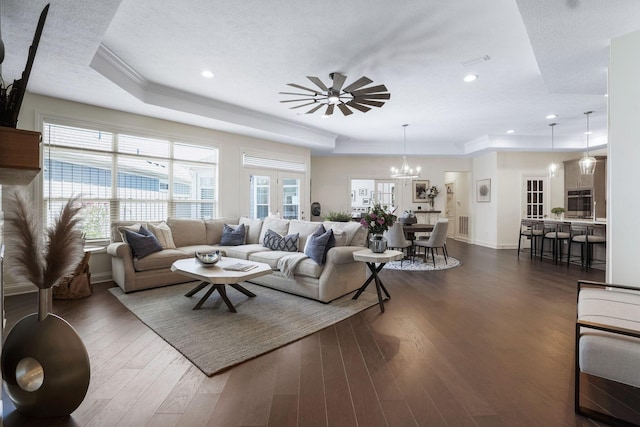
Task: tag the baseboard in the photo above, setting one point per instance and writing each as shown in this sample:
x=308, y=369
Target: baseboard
x=19, y=288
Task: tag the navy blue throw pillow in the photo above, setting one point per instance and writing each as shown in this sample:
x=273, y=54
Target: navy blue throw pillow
x=231, y=237
x=142, y=243
x=318, y=244
x=276, y=242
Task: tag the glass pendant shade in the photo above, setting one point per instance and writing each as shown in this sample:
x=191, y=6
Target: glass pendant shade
x=405, y=172
x=553, y=169
x=587, y=163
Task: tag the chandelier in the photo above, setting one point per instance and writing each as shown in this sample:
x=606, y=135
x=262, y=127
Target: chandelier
x=405, y=172
x=553, y=167
x=587, y=163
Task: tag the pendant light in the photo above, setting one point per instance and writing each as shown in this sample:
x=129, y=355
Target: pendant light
x=405, y=172
x=553, y=167
x=587, y=163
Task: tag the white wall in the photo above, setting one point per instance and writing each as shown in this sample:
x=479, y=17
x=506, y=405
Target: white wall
x=483, y=220
x=623, y=203
x=512, y=167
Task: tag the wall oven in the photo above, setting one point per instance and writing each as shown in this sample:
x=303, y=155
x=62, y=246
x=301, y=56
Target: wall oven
x=579, y=203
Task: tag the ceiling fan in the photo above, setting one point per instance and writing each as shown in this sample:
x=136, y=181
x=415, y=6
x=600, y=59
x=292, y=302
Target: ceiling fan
x=355, y=95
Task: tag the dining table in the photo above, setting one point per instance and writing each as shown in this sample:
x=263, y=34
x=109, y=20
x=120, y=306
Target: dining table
x=410, y=230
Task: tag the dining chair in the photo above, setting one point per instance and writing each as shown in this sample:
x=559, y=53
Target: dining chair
x=438, y=239
x=396, y=240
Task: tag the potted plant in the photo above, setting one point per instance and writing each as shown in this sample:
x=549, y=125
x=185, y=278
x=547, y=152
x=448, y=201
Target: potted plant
x=338, y=216
x=432, y=193
x=558, y=212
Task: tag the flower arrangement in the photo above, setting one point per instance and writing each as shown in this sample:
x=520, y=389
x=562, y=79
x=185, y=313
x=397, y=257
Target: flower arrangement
x=433, y=192
x=378, y=220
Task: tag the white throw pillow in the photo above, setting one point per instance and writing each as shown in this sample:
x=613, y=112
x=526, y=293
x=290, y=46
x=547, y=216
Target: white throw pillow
x=163, y=234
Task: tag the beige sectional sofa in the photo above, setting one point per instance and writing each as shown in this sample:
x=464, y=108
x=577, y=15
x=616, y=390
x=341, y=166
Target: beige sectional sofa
x=339, y=275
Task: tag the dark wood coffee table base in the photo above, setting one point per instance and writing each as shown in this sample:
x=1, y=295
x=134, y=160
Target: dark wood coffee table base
x=221, y=290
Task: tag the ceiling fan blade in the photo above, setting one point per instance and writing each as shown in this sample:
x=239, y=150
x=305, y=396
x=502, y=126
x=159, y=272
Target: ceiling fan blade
x=338, y=81
x=314, y=109
x=302, y=87
x=354, y=104
x=318, y=82
x=302, y=105
x=298, y=100
x=362, y=81
x=294, y=93
x=370, y=102
x=372, y=89
x=329, y=110
x=345, y=110
x=373, y=96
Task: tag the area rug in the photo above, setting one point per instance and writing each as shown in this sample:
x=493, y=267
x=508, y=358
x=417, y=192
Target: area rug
x=214, y=339
x=419, y=265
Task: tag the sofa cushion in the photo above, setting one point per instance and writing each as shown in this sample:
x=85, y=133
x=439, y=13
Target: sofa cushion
x=255, y=227
x=214, y=229
x=186, y=232
x=276, y=242
x=232, y=236
x=304, y=229
x=318, y=244
x=280, y=226
x=356, y=233
x=268, y=257
x=158, y=260
x=242, y=251
x=142, y=243
x=163, y=234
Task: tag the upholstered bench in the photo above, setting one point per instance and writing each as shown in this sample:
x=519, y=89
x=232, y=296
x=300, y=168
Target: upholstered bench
x=607, y=338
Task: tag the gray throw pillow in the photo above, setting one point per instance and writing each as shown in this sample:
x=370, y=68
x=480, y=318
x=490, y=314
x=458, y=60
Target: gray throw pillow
x=318, y=244
x=276, y=242
x=142, y=243
x=231, y=237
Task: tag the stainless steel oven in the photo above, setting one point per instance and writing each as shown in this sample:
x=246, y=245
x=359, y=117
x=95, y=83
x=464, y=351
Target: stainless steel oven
x=579, y=203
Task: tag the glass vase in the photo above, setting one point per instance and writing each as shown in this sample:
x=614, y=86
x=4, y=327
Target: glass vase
x=378, y=243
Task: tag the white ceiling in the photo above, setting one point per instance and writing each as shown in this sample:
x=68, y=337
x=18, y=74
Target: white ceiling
x=145, y=57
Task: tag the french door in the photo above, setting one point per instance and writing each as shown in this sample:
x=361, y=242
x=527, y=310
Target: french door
x=275, y=193
x=534, y=197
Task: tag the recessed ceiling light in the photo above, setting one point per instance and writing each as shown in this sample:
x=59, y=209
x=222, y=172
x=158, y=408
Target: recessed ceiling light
x=207, y=74
x=551, y=116
x=511, y=131
x=470, y=78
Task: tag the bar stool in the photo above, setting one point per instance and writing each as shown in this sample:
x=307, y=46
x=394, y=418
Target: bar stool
x=584, y=235
x=532, y=230
x=557, y=233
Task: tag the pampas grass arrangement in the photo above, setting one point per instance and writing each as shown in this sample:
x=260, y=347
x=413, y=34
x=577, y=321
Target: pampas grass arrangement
x=42, y=258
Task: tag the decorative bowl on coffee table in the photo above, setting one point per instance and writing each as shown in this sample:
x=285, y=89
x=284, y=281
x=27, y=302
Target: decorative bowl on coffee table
x=208, y=259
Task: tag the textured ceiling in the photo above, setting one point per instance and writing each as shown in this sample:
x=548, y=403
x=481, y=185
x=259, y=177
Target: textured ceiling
x=145, y=56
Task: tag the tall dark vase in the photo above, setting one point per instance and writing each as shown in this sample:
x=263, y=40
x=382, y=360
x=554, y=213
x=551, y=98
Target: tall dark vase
x=45, y=365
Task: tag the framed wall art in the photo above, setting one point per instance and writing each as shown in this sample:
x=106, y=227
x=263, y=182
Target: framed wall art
x=362, y=192
x=420, y=187
x=483, y=190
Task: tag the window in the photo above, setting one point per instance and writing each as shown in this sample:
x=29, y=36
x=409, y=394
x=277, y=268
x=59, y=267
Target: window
x=125, y=177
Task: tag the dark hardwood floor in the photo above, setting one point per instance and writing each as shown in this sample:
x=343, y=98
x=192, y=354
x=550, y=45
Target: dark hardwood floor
x=489, y=343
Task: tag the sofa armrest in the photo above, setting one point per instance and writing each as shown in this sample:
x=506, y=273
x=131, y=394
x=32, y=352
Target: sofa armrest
x=119, y=250
x=342, y=254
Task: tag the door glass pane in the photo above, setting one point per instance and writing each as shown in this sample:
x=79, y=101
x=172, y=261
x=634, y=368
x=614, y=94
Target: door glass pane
x=534, y=198
x=259, y=196
x=290, y=198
